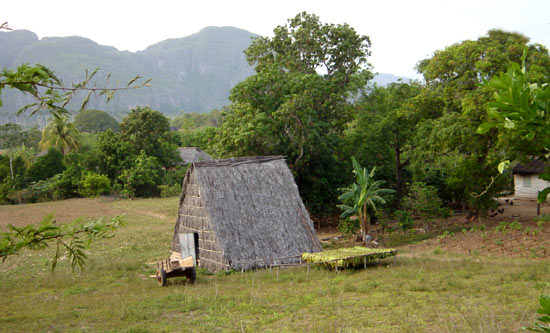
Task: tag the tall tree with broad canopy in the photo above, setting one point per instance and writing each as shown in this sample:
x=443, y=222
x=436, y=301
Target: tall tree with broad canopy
x=520, y=112
x=449, y=140
x=298, y=102
x=149, y=130
x=382, y=133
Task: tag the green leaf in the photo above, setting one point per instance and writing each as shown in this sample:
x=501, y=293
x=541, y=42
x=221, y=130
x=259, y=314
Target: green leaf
x=543, y=195
x=502, y=166
x=485, y=127
x=509, y=124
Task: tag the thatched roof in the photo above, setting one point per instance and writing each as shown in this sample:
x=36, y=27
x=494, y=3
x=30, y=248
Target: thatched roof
x=534, y=167
x=254, y=209
x=192, y=155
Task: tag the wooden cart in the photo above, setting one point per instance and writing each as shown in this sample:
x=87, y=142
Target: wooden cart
x=179, y=264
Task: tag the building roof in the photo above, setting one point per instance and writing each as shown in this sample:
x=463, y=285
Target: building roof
x=254, y=206
x=192, y=155
x=534, y=167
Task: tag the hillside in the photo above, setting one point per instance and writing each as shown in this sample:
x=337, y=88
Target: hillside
x=193, y=73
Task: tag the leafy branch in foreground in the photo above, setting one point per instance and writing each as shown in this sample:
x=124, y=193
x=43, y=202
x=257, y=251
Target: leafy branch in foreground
x=543, y=324
x=72, y=238
x=49, y=92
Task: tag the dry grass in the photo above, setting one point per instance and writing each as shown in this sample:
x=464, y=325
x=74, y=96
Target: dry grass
x=436, y=291
x=64, y=211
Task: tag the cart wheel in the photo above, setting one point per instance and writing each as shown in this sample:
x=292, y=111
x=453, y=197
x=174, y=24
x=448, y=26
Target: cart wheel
x=161, y=277
x=191, y=275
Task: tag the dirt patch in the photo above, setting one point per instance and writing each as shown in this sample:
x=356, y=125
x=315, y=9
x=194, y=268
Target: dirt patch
x=511, y=232
x=531, y=241
x=64, y=211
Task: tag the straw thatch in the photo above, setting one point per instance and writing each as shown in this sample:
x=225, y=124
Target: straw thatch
x=192, y=155
x=247, y=213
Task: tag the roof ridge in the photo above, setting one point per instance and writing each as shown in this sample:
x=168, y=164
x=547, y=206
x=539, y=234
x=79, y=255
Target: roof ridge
x=235, y=161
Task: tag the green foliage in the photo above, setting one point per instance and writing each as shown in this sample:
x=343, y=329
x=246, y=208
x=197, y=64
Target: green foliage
x=543, y=324
x=423, y=201
x=149, y=131
x=143, y=179
x=404, y=217
x=520, y=112
x=95, y=121
x=46, y=166
x=448, y=137
x=167, y=191
x=69, y=239
x=61, y=134
x=13, y=136
x=48, y=91
x=349, y=226
x=93, y=184
x=366, y=193
x=289, y=108
x=114, y=154
x=382, y=132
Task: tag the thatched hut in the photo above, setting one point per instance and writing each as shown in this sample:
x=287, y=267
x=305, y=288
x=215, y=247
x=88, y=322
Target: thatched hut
x=192, y=155
x=244, y=213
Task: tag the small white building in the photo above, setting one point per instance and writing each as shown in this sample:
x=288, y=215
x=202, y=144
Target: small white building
x=527, y=183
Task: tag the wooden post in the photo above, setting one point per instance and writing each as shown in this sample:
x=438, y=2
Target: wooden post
x=307, y=275
x=538, y=204
x=365, y=262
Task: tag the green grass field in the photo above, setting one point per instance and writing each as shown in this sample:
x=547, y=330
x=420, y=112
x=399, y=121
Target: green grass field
x=429, y=291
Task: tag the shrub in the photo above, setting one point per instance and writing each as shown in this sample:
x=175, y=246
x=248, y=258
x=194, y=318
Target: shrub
x=46, y=166
x=93, y=184
x=543, y=324
x=169, y=190
x=349, y=226
x=143, y=179
x=405, y=219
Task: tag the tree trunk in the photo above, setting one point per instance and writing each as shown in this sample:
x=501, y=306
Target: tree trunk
x=364, y=225
x=11, y=167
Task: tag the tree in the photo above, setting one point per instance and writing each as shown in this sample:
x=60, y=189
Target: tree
x=423, y=201
x=520, y=112
x=46, y=166
x=144, y=177
x=298, y=102
x=61, y=134
x=149, y=130
x=51, y=95
x=366, y=193
x=448, y=139
x=95, y=121
x=382, y=133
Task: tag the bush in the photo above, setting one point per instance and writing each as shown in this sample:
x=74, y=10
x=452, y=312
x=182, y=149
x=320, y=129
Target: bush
x=46, y=166
x=405, y=219
x=93, y=184
x=169, y=190
x=543, y=324
x=143, y=179
x=349, y=226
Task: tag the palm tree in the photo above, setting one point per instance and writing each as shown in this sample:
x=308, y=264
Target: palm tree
x=60, y=133
x=364, y=193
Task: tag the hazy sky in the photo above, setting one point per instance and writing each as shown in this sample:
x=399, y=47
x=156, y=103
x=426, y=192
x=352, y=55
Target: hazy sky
x=402, y=32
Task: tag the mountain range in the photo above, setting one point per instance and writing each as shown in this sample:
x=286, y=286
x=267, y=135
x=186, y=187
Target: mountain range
x=193, y=73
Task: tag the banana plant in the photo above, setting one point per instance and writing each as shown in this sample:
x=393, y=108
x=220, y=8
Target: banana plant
x=365, y=193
